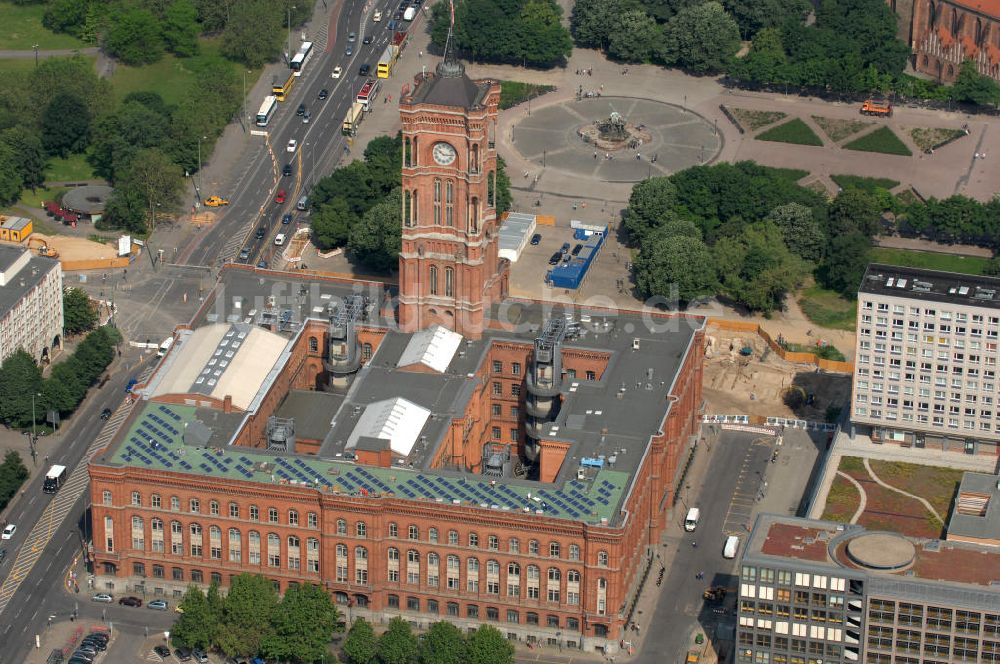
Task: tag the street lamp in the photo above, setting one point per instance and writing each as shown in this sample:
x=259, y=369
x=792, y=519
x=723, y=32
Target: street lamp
x=35, y=46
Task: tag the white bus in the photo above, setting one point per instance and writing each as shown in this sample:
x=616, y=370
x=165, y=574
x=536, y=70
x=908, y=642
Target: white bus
x=301, y=58
x=267, y=110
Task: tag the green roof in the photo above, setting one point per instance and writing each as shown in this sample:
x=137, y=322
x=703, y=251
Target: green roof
x=155, y=441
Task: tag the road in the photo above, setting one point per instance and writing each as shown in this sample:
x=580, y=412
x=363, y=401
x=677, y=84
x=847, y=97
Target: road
x=320, y=144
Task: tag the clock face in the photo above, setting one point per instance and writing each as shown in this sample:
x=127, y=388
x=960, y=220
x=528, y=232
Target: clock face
x=444, y=153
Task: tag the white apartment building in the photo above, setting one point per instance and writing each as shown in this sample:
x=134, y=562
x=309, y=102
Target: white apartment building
x=926, y=359
x=31, y=303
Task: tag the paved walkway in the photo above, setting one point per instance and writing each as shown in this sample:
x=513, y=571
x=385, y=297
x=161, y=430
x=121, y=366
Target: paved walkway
x=862, y=494
x=884, y=485
x=53, y=53
x=862, y=446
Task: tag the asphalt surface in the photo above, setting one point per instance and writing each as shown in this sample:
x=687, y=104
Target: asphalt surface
x=320, y=144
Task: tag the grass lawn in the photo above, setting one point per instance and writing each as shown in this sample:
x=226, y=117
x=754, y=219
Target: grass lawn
x=513, y=93
x=841, y=502
x=22, y=29
x=863, y=183
x=828, y=309
x=888, y=510
x=793, y=174
x=930, y=260
x=881, y=140
x=16, y=65
x=838, y=129
x=73, y=168
x=754, y=120
x=929, y=138
x=36, y=198
x=172, y=77
x=935, y=485
x=794, y=131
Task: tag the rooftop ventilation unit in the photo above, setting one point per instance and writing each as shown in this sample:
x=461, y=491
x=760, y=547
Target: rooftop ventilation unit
x=984, y=293
x=922, y=286
x=963, y=290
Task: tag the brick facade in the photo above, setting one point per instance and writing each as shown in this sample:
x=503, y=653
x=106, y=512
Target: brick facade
x=945, y=33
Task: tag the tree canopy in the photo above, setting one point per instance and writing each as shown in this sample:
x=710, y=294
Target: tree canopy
x=79, y=312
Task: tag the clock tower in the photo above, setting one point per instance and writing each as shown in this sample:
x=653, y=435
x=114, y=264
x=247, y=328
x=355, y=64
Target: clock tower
x=449, y=268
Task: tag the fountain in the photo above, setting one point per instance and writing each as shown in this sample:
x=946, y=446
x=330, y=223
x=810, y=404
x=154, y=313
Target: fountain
x=614, y=133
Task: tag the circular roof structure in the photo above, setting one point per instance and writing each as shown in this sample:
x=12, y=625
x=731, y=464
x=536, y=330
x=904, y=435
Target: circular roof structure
x=883, y=551
x=90, y=199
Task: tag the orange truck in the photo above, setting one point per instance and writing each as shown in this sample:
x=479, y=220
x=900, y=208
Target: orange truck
x=877, y=107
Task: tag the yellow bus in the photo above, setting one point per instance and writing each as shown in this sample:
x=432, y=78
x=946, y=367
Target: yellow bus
x=281, y=91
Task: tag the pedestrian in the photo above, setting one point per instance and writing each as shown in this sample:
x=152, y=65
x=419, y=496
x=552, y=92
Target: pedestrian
x=694, y=544
x=595, y=154
x=420, y=54
x=590, y=72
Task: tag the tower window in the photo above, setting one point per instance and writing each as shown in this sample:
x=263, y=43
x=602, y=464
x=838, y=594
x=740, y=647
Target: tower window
x=474, y=215
x=434, y=280
x=449, y=282
x=449, y=200
x=437, y=202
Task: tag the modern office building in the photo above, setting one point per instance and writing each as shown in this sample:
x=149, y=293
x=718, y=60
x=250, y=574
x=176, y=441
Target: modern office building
x=818, y=592
x=926, y=359
x=31, y=303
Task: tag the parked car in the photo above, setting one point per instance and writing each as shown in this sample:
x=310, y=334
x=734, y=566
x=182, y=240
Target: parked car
x=130, y=601
x=8, y=532
x=162, y=651
x=577, y=249
x=99, y=644
x=200, y=656
x=183, y=654
x=158, y=605
x=103, y=636
x=262, y=264
x=244, y=254
x=564, y=248
x=103, y=597
x=279, y=198
x=555, y=258
x=536, y=238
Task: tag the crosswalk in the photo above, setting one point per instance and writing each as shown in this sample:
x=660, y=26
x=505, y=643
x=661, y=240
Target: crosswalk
x=57, y=510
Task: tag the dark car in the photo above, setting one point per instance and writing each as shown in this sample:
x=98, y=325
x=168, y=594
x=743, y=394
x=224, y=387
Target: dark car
x=301, y=110
x=364, y=70
x=183, y=654
x=563, y=249
x=367, y=39
x=262, y=264
x=99, y=644
x=244, y=255
x=130, y=601
x=577, y=249
x=536, y=238
x=162, y=651
x=286, y=170
x=103, y=636
x=3, y=554
x=392, y=25
x=555, y=258
x=398, y=16
x=106, y=414
x=260, y=233
x=323, y=94
x=286, y=219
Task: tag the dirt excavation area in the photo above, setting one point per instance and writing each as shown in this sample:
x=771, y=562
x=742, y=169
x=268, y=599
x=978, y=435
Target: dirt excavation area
x=743, y=376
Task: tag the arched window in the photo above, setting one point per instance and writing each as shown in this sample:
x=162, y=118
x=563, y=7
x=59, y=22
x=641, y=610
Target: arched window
x=474, y=214
x=341, y=527
x=408, y=208
x=360, y=565
x=449, y=201
x=254, y=541
x=196, y=544
x=407, y=152
x=472, y=575
x=437, y=202
x=413, y=532
x=534, y=577
x=434, y=280
x=313, y=345
x=453, y=570
x=474, y=161
x=491, y=189
x=235, y=546
x=449, y=282
x=215, y=542
x=360, y=529
x=273, y=550
x=574, y=552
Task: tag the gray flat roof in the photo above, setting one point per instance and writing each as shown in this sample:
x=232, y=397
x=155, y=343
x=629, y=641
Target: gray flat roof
x=977, y=490
x=311, y=410
x=32, y=274
x=931, y=285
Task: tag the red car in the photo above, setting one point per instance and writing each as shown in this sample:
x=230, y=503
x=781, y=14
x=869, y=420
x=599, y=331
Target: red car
x=280, y=196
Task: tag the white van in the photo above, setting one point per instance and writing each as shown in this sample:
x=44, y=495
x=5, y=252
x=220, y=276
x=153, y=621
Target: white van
x=165, y=346
x=691, y=520
x=279, y=239
x=731, y=547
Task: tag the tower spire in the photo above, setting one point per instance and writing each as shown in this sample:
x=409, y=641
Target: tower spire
x=450, y=67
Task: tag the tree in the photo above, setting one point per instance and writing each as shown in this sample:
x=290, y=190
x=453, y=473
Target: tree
x=29, y=154
x=634, y=36
x=20, y=377
x=79, y=312
x=65, y=125
x=674, y=267
x=591, y=20
x=854, y=210
x=847, y=258
x=377, y=238
x=488, y=646
x=253, y=32
x=672, y=226
x=180, y=28
x=246, y=619
x=13, y=473
x=354, y=183
x=384, y=158
x=800, y=230
x=332, y=223
x=126, y=210
x=701, y=39
x=503, y=195
x=651, y=203
x=117, y=136
x=766, y=62
x=135, y=37
x=197, y=626
x=65, y=16
x=443, y=643
x=11, y=181
x=360, y=645
x=756, y=269
x=540, y=33
x=754, y=15
x=972, y=87
x=397, y=645
x=303, y=624
x=155, y=179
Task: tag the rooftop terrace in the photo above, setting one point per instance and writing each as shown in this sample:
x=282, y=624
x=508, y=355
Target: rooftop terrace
x=931, y=285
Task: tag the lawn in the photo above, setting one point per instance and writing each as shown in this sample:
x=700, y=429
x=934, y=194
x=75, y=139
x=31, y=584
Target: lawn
x=930, y=260
x=881, y=140
x=863, y=183
x=754, y=120
x=35, y=199
x=22, y=29
x=71, y=169
x=513, y=93
x=794, y=131
x=828, y=309
x=793, y=174
x=16, y=65
x=935, y=485
x=930, y=138
x=172, y=77
x=888, y=510
x=837, y=130
x=841, y=502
